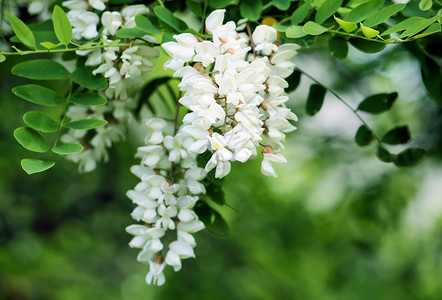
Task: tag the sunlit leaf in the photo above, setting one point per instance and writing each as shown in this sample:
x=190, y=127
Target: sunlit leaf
x=281, y=4
x=346, y=26
x=40, y=121
x=40, y=69
x=67, y=149
x=62, y=26
x=326, y=10
x=313, y=28
x=130, y=33
x=31, y=139
x=383, y=15
x=425, y=4
x=32, y=166
x=369, y=32
x=37, y=94
x=24, y=34
x=294, y=32
x=85, y=124
x=2, y=58
x=362, y=11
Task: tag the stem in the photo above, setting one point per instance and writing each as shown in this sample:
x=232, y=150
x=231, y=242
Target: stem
x=365, y=38
x=344, y=102
x=252, y=44
x=203, y=17
x=63, y=117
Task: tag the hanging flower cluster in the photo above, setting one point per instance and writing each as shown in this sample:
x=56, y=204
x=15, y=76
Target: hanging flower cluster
x=233, y=87
x=121, y=67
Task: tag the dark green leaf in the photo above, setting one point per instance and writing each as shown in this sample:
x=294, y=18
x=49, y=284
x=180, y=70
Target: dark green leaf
x=363, y=136
x=384, y=155
x=40, y=69
x=293, y=81
x=250, y=9
x=85, y=124
x=146, y=25
x=62, y=26
x=403, y=25
x=338, y=47
x=218, y=226
x=383, y=15
x=362, y=11
x=313, y=28
x=433, y=28
x=396, y=136
x=409, y=157
x=378, y=103
x=32, y=166
x=315, y=99
x=281, y=4
x=24, y=34
x=40, y=121
x=216, y=193
x=31, y=139
x=367, y=46
x=38, y=94
x=326, y=10
x=418, y=27
x=205, y=212
x=300, y=13
x=432, y=78
x=84, y=77
x=167, y=17
x=66, y=149
x=88, y=99
x=220, y=3
x=196, y=8
x=147, y=93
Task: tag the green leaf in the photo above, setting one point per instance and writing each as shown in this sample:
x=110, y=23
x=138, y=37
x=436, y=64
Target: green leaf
x=88, y=99
x=40, y=69
x=216, y=193
x=250, y=9
x=409, y=157
x=130, y=33
x=2, y=58
x=361, y=12
x=37, y=94
x=293, y=80
x=397, y=136
x=49, y=45
x=313, y=28
x=281, y=4
x=294, y=32
x=403, y=25
x=218, y=226
x=62, y=26
x=194, y=7
x=31, y=139
x=383, y=15
x=384, y=155
x=417, y=27
x=220, y=3
x=40, y=121
x=363, y=136
x=369, y=32
x=338, y=47
x=280, y=27
x=84, y=77
x=167, y=17
x=32, y=166
x=367, y=46
x=433, y=28
x=85, y=124
x=315, y=99
x=66, y=149
x=425, y=5
x=24, y=34
x=432, y=78
x=378, y=103
x=326, y=10
x=146, y=25
x=300, y=13
x=347, y=26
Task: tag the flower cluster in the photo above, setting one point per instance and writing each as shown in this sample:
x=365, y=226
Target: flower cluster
x=165, y=198
x=121, y=67
x=233, y=87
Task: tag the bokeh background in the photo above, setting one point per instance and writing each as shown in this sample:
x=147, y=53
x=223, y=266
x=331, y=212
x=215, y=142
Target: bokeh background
x=336, y=224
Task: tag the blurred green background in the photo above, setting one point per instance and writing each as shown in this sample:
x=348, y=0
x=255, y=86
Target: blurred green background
x=336, y=224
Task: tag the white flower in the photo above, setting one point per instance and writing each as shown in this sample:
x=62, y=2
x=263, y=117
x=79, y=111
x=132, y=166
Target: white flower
x=178, y=250
x=76, y=5
x=98, y=4
x=181, y=51
x=84, y=24
x=215, y=20
x=266, y=166
x=155, y=274
x=166, y=213
x=157, y=127
x=111, y=22
x=264, y=36
x=206, y=52
x=130, y=12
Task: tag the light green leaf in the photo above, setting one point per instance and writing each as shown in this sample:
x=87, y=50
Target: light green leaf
x=300, y=13
x=402, y=25
x=433, y=28
x=69, y=148
x=338, y=47
x=84, y=77
x=31, y=139
x=32, y=166
x=313, y=28
x=40, y=121
x=383, y=15
x=38, y=94
x=418, y=27
x=281, y=4
x=346, y=26
x=280, y=27
x=49, y=45
x=24, y=34
x=425, y=5
x=294, y=32
x=167, y=17
x=2, y=58
x=85, y=124
x=40, y=69
x=89, y=99
x=326, y=10
x=362, y=11
x=250, y=9
x=146, y=25
x=369, y=32
x=62, y=26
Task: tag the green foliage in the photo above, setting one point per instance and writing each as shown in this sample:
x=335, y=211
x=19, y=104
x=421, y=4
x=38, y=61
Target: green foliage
x=364, y=136
x=361, y=12
x=40, y=121
x=293, y=80
x=383, y=14
x=130, y=33
x=346, y=26
x=38, y=94
x=378, y=103
x=326, y=10
x=313, y=28
x=250, y=9
x=146, y=25
x=24, y=34
x=338, y=47
x=396, y=136
x=167, y=17
x=32, y=166
x=40, y=69
x=409, y=157
x=85, y=124
x=88, y=99
x=62, y=26
x=2, y=58
x=315, y=99
x=300, y=13
x=66, y=149
x=31, y=139
x=84, y=77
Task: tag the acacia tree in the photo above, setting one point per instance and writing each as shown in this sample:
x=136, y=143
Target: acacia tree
x=226, y=70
